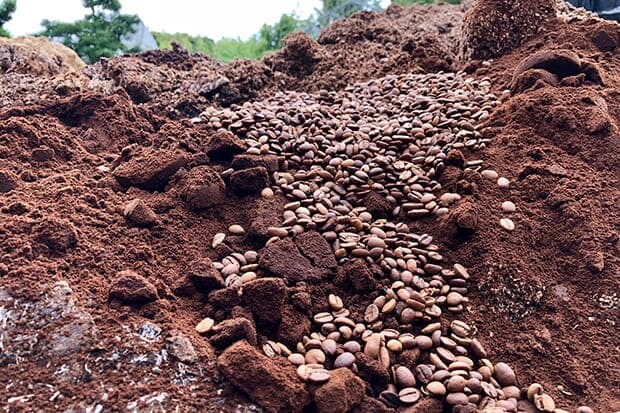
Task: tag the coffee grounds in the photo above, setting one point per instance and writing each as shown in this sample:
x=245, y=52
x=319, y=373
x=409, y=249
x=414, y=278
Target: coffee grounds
x=542, y=296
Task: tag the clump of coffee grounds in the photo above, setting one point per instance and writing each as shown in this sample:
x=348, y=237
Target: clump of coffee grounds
x=546, y=292
x=544, y=296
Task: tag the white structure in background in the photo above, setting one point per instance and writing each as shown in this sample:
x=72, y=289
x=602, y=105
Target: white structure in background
x=141, y=38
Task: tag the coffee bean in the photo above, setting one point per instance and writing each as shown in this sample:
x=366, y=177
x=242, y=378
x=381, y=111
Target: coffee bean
x=436, y=388
x=584, y=409
x=218, y=239
x=297, y=359
x=423, y=373
x=335, y=302
x=318, y=376
x=205, y=325
x=404, y=377
x=394, y=346
x=544, y=402
x=323, y=318
x=507, y=224
x=329, y=346
x=505, y=375
x=503, y=183
x=352, y=347
x=409, y=395
x=344, y=360
x=490, y=174
x=236, y=229
x=423, y=342
x=373, y=345
x=372, y=313
x=315, y=356
x=534, y=389
x=508, y=206
x=457, y=398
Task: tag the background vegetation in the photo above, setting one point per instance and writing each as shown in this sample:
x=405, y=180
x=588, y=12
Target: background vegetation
x=101, y=32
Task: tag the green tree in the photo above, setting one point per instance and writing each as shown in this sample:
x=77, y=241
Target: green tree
x=333, y=10
x=273, y=35
x=99, y=34
x=7, y=7
x=407, y=3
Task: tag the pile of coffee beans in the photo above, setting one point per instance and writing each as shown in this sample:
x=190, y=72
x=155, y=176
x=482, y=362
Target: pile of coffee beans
x=356, y=165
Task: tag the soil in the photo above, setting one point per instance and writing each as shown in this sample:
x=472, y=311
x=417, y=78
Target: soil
x=543, y=297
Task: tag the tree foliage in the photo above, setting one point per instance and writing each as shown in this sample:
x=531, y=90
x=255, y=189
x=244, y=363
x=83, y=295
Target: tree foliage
x=7, y=7
x=268, y=38
x=333, y=10
x=407, y=3
x=99, y=34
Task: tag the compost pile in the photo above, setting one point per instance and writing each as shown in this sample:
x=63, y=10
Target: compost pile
x=417, y=212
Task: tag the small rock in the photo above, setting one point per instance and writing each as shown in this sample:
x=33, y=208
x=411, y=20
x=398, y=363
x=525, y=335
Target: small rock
x=249, y=181
x=204, y=275
x=604, y=41
x=58, y=235
x=42, y=154
x=181, y=348
x=282, y=258
x=150, y=170
x=131, y=288
x=265, y=297
x=139, y=214
x=341, y=393
x=229, y=331
x=202, y=187
x=508, y=206
x=8, y=181
x=223, y=146
x=272, y=383
x=244, y=161
x=507, y=224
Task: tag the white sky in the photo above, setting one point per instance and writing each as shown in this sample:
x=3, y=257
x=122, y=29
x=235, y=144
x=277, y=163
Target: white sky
x=211, y=18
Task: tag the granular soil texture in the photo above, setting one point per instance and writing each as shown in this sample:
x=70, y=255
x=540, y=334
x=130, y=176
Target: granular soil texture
x=122, y=229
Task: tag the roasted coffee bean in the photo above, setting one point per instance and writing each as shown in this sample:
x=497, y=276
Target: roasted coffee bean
x=344, y=360
x=436, y=388
x=409, y=395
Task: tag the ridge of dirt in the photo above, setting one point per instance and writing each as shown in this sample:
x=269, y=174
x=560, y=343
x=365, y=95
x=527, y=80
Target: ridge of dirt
x=105, y=183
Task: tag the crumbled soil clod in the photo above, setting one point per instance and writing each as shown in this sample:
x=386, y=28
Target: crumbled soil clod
x=131, y=288
x=271, y=384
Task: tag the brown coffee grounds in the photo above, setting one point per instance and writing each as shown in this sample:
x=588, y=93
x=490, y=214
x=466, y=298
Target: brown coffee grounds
x=543, y=296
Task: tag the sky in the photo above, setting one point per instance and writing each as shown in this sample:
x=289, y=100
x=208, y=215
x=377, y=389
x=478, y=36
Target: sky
x=212, y=18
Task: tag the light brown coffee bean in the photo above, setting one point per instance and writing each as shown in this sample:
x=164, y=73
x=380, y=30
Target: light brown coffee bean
x=335, y=302
x=205, y=325
x=236, y=229
x=424, y=342
x=346, y=359
x=404, y=377
x=457, y=398
x=315, y=356
x=505, y=375
x=297, y=359
x=436, y=388
x=394, y=346
x=533, y=390
x=507, y=224
x=409, y=395
x=373, y=345
x=544, y=402
x=318, y=376
x=323, y=318
x=372, y=313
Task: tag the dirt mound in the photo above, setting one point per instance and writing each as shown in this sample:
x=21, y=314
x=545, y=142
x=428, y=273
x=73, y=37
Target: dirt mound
x=147, y=229
x=493, y=27
x=37, y=56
